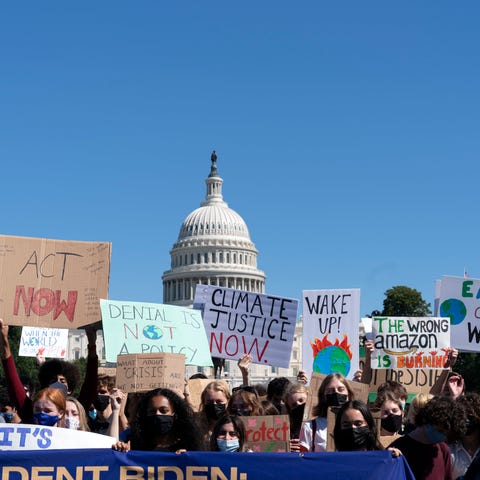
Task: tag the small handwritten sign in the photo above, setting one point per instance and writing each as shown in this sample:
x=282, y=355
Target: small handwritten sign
x=268, y=433
x=46, y=342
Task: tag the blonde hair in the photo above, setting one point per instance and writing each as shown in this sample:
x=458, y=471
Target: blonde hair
x=215, y=386
x=417, y=403
x=82, y=416
x=292, y=389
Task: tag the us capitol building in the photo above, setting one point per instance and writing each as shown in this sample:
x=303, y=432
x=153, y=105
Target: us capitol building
x=213, y=248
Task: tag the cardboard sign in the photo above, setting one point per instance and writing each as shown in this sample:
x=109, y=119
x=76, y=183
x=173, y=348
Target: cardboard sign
x=411, y=342
x=141, y=373
x=134, y=327
x=46, y=342
x=267, y=433
x=196, y=386
x=52, y=283
x=460, y=302
x=414, y=380
x=330, y=331
x=359, y=389
x=21, y=436
x=239, y=322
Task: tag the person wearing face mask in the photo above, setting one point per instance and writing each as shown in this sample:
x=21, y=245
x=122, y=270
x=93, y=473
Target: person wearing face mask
x=424, y=448
x=213, y=405
x=244, y=402
x=9, y=412
x=163, y=422
x=334, y=391
x=49, y=406
x=468, y=447
x=391, y=414
x=75, y=416
x=228, y=435
x=295, y=398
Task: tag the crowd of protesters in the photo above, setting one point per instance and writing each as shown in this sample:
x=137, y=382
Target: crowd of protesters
x=438, y=433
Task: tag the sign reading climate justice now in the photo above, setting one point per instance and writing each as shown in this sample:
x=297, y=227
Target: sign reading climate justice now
x=330, y=331
x=411, y=342
x=239, y=322
x=460, y=301
x=52, y=283
x=135, y=327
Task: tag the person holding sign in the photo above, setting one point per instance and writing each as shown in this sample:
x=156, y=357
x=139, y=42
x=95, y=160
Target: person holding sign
x=334, y=391
x=164, y=422
x=295, y=398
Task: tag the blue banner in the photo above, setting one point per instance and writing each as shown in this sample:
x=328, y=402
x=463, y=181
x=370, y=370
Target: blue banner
x=106, y=464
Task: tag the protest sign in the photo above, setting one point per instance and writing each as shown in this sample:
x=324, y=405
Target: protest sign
x=21, y=436
x=46, y=342
x=330, y=340
x=460, y=302
x=134, y=327
x=144, y=372
x=107, y=464
x=196, y=386
x=239, y=322
x=411, y=342
x=267, y=433
x=415, y=381
x=52, y=283
x=360, y=391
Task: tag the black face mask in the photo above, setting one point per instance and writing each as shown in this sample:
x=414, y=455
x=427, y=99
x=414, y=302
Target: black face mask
x=242, y=413
x=101, y=402
x=392, y=423
x=160, y=424
x=350, y=439
x=215, y=410
x=336, y=399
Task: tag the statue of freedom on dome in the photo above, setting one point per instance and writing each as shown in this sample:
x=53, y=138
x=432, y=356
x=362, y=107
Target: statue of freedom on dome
x=214, y=159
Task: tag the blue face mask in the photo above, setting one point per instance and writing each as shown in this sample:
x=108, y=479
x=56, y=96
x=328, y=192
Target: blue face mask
x=433, y=435
x=228, y=445
x=45, y=419
x=8, y=416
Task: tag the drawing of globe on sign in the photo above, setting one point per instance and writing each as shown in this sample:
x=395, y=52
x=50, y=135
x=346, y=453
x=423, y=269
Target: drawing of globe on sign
x=454, y=309
x=152, y=332
x=331, y=357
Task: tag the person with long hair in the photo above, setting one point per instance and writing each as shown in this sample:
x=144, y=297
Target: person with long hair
x=295, y=398
x=75, y=416
x=334, y=391
x=213, y=405
x=244, y=402
x=163, y=422
x=228, y=435
x=49, y=406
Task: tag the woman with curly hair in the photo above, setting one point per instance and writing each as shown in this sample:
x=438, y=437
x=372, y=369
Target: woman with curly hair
x=164, y=422
x=424, y=448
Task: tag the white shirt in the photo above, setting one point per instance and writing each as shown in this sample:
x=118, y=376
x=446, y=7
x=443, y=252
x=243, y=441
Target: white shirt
x=461, y=459
x=305, y=439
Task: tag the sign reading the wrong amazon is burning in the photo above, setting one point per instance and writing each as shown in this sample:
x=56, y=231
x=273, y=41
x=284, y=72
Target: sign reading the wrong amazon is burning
x=411, y=342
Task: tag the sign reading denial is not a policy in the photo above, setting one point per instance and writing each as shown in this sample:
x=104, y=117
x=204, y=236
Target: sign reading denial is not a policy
x=136, y=327
x=239, y=322
x=52, y=283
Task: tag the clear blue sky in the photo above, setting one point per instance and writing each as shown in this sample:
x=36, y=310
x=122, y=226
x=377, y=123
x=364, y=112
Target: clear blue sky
x=347, y=134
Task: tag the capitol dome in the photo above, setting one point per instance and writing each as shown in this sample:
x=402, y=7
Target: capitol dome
x=213, y=248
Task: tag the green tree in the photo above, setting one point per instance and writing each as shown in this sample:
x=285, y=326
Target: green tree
x=401, y=301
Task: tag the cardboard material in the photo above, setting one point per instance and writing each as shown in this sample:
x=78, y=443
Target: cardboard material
x=52, y=283
x=415, y=381
x=268, y=433
x=196, y=387
x=144, y=372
